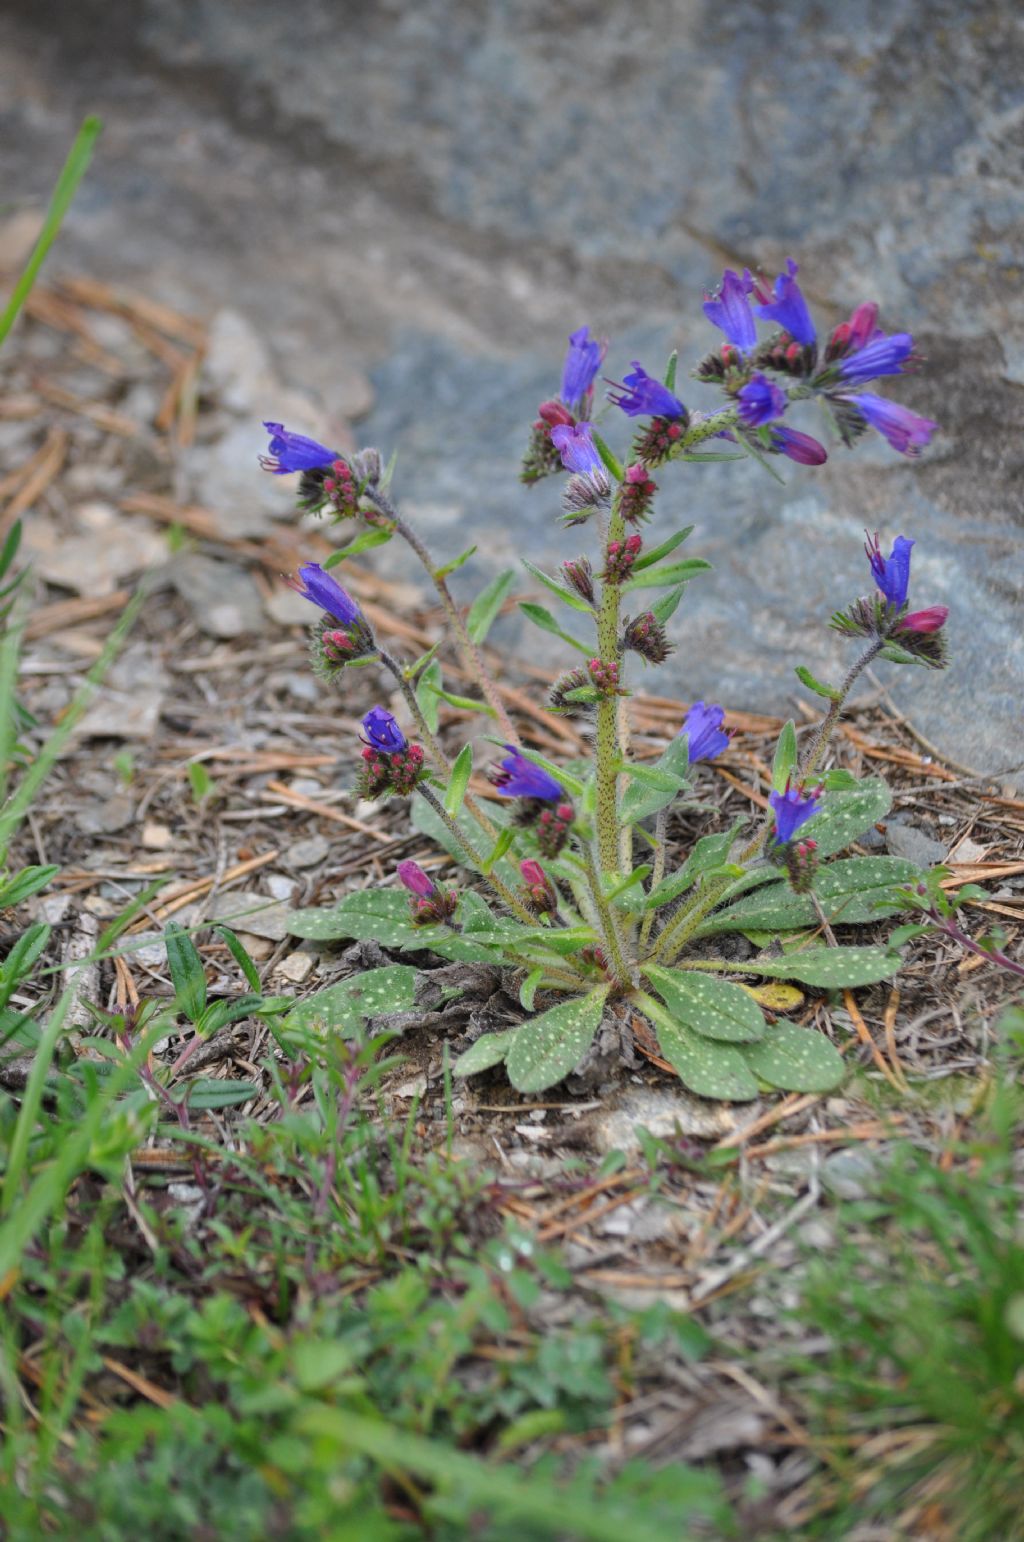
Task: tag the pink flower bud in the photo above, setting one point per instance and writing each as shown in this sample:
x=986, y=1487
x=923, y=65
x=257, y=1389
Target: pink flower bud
x=533, y=873
x=930, y=620
x=553, y=413
x=416, y=880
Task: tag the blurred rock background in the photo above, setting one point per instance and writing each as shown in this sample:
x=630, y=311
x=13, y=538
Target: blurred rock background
x=395, y=213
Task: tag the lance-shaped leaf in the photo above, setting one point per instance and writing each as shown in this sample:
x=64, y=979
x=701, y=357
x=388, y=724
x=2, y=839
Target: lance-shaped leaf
x=647, y=559
x=669, y=573
x=851, y=893
x=643, y=797
x=844, y=816
x=187, y=973
x=552, y=1045
x=459, y=780
x=784, y=763
x=828, y=968
x=542, y=617
x=667, y=606
x=374, y=536
x=796, y=1059
x=484, y=610
x=343, y=1008
x=565, y=594
x=709, y=853
x=489, y=1050
x=428, y=694
x=715, y=1008
x=712, y=1070
x=456, y=563
x=382, y=915
x=830, y=692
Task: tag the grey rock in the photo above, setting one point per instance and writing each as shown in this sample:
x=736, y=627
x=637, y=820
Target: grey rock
x=254, y=914
x=663, y=1113
x=306, y=853
x=910, y=842
x=128, y=704
x=104, y=818
x=652, y=147
x=849, y=1174
x=223, y=600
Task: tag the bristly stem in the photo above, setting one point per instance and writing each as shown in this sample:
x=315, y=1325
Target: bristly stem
x=606, y=920
x=606, y=749
x=826, y=728
x=437, y=754
x=657, y=871
x=467, y=647
x=473, y=856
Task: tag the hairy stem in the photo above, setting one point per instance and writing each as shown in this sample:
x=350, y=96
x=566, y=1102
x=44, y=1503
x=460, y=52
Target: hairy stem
x=473, y=856
x=607, y=747
x=809, y=760
x=607, y=924
x=467, y=647
x=657, y=872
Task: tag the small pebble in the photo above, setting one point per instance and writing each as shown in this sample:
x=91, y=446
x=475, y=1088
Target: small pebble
x=307, y=853
x=295, y=968
x=157, y=837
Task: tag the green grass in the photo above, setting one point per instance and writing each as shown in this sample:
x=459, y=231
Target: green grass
x=919, y=1395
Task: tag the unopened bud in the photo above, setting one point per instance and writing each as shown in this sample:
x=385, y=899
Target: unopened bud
x=367, y=466
x=604, y=674
x=646, y=635
x=539, y=894
x=580, y=576
x=552, y=829
x=620, y=557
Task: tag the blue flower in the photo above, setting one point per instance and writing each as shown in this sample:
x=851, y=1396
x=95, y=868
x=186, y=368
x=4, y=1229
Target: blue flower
x=641, y=396
x=705, y=736
x=294, y=452
x=761, y=400
x=792, y=809
x=803, y=448
x=904, y=430
x=316, y=585
x=383, y=733
x=582, y=363
x=730, y=311
x=882, y=356
x=892, y=573
x=518, y=777
x=575, y=443
x=789, y=308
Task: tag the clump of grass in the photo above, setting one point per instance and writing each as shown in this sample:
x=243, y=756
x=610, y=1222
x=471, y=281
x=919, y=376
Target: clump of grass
x=919, y=1396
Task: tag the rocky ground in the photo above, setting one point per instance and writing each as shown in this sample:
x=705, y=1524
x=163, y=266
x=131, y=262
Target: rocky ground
x=413, y=206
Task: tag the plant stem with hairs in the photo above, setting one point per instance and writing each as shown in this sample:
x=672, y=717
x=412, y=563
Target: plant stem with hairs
x=475, y=859
x=826, y=728
x=467, y=647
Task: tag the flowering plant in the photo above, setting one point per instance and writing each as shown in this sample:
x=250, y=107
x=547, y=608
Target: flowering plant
x=573, y=896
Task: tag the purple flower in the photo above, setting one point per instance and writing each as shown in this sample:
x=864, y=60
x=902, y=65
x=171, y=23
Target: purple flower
x=582, y=363
x=904, y=430
x=294, y=452
x=761, y=400
x=520, y=778
x=792, y=809
x=383, y=733
x=882, y=356
x=316, y=585
x=802, y=448
x=892, y=573
x=416, y=880
x=705, y=736
x=789, y=308
x=575, y=444
x=730, y=311
x=641, y=396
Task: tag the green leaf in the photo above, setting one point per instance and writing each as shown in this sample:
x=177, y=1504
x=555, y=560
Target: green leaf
x=897, y=655
x=845, y=815
x=28, y=881
x=620, y=887
x=670, y=573
x=796, y=1059
x=466, y=703
x=455, y=564
x=829, y=968
x=667, y=606
x=547, y=623
x=374, y=535
x=187, y=973
x=209, y=1092
x=647, y=559
x=498, y=850
x=430, y=823
x=484, y=610
x=784, y=763
x=611, y=464
x=830, y=692
x=567, y=595
x=200, y=781
x=716, y=1008
x=489, y=1050
x=241, y=957
x=710, y=1069
x=462, y=770
x=670, y=370
x=852, y=892
x=378, y=914
x=639, y=800
x=548, y=1048
x=528, y=989
x=428, y=694
x=710, y=851
x=343, y=1008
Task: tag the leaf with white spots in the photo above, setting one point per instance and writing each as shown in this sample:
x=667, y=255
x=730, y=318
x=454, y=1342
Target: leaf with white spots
x=552, y=1045
x=710, y=1069
x=852, y=892
x=382, y=915
x=715, y=1008
x=343, y=1008
x=795, y=1059
x=489, y=1050
x=844, y=816
x=828, y=968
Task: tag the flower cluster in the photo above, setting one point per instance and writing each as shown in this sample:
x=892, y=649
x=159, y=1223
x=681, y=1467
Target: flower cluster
x=429, y=905
x=391, y=765
x=917, y=634
x=343, y=633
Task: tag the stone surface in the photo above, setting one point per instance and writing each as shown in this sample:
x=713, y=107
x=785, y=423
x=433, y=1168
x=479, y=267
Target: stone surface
x=438, y=193
x=224, y=601
x=904, y=840
x=252, y=914
x=664, y=1113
